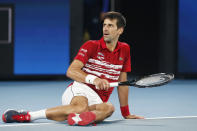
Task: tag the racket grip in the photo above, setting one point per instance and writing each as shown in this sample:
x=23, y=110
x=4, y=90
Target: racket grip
x=113, y=84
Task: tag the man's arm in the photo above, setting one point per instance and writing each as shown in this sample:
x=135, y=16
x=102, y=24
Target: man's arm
x=123, y=93
x=76, y=73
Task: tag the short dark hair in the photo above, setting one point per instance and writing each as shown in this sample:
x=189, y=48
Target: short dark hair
x=121, y=21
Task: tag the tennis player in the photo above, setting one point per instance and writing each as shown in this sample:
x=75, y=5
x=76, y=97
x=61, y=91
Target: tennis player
x=97, y=63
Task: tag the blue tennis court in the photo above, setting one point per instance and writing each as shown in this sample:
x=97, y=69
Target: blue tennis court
x=171, y=107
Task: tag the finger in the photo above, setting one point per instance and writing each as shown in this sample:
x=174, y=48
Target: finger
x=101, y=86
x=104, y=86
x=107, y=85
x=97, y=88
x=140, y=117
x=134, y=117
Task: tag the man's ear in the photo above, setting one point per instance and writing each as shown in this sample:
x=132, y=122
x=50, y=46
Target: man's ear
x=121, y=31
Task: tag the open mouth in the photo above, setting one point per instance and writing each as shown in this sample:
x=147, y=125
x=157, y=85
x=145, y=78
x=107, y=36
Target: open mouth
x=106, y=34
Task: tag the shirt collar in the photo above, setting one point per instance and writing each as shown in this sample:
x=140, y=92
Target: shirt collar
x=103, y=45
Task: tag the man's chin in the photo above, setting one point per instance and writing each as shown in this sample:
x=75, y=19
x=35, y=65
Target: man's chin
x=107, y=40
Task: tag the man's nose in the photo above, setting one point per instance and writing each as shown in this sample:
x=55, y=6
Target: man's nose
x=105, y=28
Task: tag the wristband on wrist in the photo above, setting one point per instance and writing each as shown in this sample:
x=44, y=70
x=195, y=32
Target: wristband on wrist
x=90, y=79
x=125, y=110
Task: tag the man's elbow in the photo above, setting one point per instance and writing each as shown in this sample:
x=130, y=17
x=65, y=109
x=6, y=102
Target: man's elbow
x=68, y=73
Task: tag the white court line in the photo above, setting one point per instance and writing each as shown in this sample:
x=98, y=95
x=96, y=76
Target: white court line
x=174, y=117
x=157, y=118
x=24, y=124
x=35, y=124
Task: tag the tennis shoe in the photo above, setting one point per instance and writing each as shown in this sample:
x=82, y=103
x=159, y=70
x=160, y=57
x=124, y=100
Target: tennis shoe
x=82, y=119
x=16, y=116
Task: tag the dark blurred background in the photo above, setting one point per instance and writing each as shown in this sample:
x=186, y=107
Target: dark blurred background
x=39, y=38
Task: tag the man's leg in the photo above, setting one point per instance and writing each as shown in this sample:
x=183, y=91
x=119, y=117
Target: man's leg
x=97, y=113
x=102, y=111
x=78, y=104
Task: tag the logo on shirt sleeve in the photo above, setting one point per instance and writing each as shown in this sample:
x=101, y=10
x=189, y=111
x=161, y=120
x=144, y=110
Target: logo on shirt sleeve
x=120, y=58
x=83, y=52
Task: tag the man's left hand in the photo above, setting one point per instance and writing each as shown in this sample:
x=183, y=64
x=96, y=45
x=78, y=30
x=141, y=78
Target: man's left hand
x=133, y=117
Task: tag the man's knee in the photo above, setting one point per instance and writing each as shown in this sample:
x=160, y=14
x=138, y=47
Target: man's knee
x=107, y=107
x=81, y=108
x=80, y=104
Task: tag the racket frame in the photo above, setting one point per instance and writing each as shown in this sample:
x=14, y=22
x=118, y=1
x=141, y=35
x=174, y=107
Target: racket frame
x=133, y=82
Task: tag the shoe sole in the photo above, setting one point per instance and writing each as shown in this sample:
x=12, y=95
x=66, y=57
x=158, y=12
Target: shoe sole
x=70, y=120
x=86, y=118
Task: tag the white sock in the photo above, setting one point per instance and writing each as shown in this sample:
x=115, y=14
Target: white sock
x=38, y=114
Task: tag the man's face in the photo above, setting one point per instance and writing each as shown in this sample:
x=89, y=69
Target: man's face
x=110, y=30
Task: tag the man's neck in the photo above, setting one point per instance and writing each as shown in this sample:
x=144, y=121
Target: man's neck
x=112, y=45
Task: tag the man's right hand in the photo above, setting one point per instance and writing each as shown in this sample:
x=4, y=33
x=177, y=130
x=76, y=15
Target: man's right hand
x=101, y=84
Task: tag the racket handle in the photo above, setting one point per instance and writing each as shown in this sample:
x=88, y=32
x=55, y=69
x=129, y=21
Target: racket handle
x=113, y=84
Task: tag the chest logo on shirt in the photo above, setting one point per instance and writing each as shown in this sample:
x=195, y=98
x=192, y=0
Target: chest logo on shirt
x=120, y=58
x=100, y=56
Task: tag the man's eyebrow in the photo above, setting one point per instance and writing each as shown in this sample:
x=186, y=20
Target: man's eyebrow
x=107, y=24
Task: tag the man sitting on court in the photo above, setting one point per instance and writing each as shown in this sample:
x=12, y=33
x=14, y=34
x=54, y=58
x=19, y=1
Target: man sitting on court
x=97, y=63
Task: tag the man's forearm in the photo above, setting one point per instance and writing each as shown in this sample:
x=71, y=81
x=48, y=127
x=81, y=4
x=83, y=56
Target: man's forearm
x=77, y=75
x=123, y=95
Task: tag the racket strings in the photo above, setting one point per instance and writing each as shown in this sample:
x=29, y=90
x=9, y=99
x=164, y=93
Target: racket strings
x=151, y=80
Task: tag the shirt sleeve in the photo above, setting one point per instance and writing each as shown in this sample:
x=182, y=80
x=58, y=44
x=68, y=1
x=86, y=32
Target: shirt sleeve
x=85, y=52
x=127, y=61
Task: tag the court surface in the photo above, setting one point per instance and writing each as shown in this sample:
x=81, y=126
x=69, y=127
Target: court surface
x=172, y=107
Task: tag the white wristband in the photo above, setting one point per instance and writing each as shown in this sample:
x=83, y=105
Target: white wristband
x=90, y=79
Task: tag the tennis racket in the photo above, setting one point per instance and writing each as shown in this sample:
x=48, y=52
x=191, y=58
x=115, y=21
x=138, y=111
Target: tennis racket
x=147, y=81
